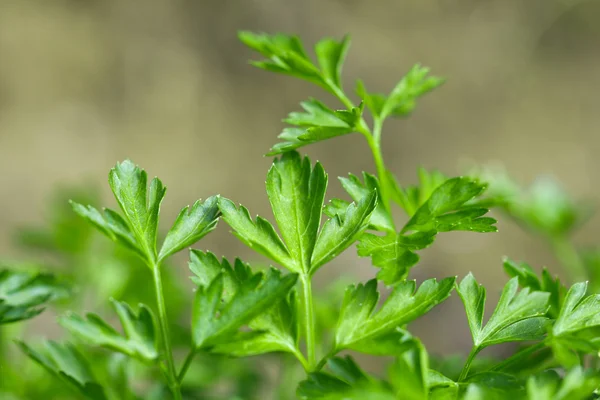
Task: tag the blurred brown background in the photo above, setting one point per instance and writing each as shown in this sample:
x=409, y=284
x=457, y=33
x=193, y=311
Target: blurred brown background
x=84, y=84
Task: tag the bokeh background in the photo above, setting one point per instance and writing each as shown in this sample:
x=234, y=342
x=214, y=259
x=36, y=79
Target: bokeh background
x=84, y=84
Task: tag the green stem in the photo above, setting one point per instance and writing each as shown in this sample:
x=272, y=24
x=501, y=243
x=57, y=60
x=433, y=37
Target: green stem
x=374, y=142
x=467, y=367
x=309, y=321
x=186, y=365
x=517, y=357
x=164, y=327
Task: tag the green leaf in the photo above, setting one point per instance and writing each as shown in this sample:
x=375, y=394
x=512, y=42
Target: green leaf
x=577, y=327
x=528, y=278
x=577, y=384
x=346, y=381
x=331, y=54
x=577, y=312
x=318, y=123
x=214, y=323
x=67, y=364
x=139, y=204
x=517, y=317
x=296, y=192
x=285, y=54
x=381, y=220
x=138, y=341
x=411, y=198
x=447, y=209
x=409, y=374
x=359, y=321
x=112, y=225
x=402, y=99
x=339, y=232
x=190, y=226
x=394, y=253
x=258, y=235
x=373, y=101
x=274, y=330
x=24, y=294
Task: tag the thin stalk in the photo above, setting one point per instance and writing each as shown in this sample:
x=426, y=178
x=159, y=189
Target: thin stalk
x=309, y=321
x=467, y=367
x=186, y=365
x=164, y=327
x=517, y=357
x=374, y=142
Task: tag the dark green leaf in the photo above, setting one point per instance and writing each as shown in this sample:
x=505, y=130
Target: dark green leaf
x=139, y=204
x=359, y=321
x=215, y=324
x=296, y=192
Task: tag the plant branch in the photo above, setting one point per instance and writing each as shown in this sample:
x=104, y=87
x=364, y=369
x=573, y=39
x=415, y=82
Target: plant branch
x=309, y=321
x=465, y=371
x=186, y=365
x=164, y=327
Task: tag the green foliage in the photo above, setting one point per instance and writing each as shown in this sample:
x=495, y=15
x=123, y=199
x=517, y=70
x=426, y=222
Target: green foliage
x=68, y=364
x=240, y=310
x=139, y=329
x=24, y=294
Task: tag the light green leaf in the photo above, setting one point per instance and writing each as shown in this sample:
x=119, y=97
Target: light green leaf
x=213, y=323
x=577, y=327
x=381, y=220
x=447, y=209
x=285, y=54
x=331, y=54
x=517, y=317
x=190, y=226
x=138, y=341
x=577, y=384
x=318, y=123
x=24, y=294
x=258, y=234
x=394, y=253
x=411, y=198
x=410, y=373
x=140, y=204
x=342, y=230
x=528, y=278
x=275, y=330
x=67, y=364
x=112, y=225
x=296, y=192
x=359, y=321
x=402, y=99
